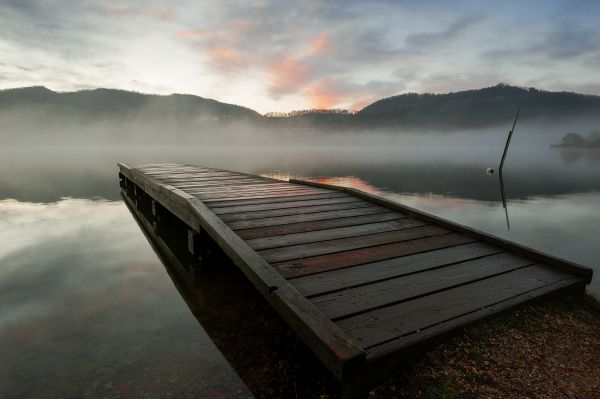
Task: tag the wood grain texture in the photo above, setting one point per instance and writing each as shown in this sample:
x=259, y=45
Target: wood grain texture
x=282, y=205
x=391, y=322
x=303, y=227
x=361, y=299
x=231, y=217
x=318, y=264
x=377, y=271
x=282, y=220
x=349, y=243
x=332, y=234
x=274, y=199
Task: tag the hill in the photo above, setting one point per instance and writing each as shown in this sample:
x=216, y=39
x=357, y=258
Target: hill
x=476, y=108
x=109, y=103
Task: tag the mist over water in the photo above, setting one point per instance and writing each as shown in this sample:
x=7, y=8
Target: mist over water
x=82, y=293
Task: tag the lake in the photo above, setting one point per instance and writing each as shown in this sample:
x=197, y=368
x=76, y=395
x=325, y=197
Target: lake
x=87, y=308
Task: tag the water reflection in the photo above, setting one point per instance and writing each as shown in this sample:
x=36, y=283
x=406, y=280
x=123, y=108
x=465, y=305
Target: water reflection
x=87, y=310
x=48, y=175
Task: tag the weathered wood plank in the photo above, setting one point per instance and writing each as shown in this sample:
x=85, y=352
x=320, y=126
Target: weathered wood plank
x=335, y=280
x=242, y=190
x=349, y=243
x=274, y=199
x=281, y=220
x=178, y=175
x=255, y=196
x=270, y=231
x=249, y=195
x=391, y=322
x=361, y=299
x=380, y=357
x=232, y=217
x=234, y=182
x=331, y=234
x=197, y=181
x=321, y=263
x=281, y=205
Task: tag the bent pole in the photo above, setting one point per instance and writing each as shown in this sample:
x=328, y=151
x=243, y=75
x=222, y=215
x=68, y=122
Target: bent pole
x=508, y=141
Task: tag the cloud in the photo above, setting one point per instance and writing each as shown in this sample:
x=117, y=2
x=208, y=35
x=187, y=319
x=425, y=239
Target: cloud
x=193, y=34
x=420, y=41
x=158, y=13
x=319, y=44
x=563, y=42
x=568, y=41
x=287, y=76
x=325, y=94
x=226, y=60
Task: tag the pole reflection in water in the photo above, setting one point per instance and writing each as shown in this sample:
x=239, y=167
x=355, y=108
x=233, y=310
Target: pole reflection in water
x=503, y=195
x=266, y=354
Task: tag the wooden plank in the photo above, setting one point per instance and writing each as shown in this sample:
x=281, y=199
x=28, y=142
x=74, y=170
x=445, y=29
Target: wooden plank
x=381, y=356
x=361, y=299
x=282, y=205
x=335, y=280
x=226, y=180
x=275, y=199
x=233, y=182
x=196, y=183
x=280, y=220
x=253, y=196
x=209, y=176
x=330, y=343
x=489, y=238
x=248, y=195
x=331, y=234
x=213, y=179
x=349, y=243
x=270, y=231
x=179, y=175
x=321, y=263
x=391, y=322
x=233, y=190
x=231, y=217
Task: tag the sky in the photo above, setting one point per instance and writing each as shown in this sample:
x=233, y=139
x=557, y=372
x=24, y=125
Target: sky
x=279, y=56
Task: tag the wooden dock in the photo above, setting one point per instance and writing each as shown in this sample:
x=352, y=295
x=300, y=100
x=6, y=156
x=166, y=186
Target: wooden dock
x=364, y=281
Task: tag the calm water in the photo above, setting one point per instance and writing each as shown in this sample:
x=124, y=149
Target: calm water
x=88, y=310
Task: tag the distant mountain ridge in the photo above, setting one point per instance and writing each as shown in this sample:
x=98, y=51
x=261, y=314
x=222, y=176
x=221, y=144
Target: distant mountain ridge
x=120, y=103
x=477, y=108
x=464, y=109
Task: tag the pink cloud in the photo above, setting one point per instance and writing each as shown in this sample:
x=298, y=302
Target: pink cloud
x=325, y=94
x=319, y=44
x=287, y=76
x=225, y=59
x=359, y=104
x=161, y=14
x=192, y=34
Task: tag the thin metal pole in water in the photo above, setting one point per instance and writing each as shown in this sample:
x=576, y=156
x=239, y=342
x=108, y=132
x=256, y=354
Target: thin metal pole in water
x=510, y=133
x=508, y=141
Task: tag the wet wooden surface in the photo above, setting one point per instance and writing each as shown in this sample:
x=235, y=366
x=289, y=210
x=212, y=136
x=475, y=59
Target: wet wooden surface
x=383, y=277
